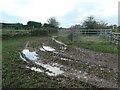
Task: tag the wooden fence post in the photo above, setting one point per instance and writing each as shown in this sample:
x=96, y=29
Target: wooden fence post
x=74, y=35
x=110, y=38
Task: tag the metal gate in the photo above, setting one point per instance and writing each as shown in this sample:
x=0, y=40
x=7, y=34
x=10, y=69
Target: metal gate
x=87, y=35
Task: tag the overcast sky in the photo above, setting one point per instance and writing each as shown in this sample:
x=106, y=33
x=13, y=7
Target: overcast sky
x=67, y=12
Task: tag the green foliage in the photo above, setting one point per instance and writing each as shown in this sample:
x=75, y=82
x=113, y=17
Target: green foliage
x=43, y=32
x=70, y=37
x=39, y=32
x=12, y=26
x=53, y=22
x=48, y=25
x=7, y=34
x=33, y=24
x=45, y=25
x=92, y=23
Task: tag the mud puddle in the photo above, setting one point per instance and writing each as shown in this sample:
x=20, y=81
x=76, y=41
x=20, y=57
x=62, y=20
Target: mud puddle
x=65, y=59
x=51, y=70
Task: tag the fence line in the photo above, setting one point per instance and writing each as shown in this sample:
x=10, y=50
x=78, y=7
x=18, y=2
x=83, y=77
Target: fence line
x=111, y=37
x=86, y=31
x=114, y=38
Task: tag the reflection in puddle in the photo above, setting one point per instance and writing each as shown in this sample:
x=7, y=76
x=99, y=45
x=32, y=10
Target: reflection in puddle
x=51, y=70
x=34, y=69
x=47, y=48
x=41, y=49
x=30, y=55
x=58, y=41
x=54, y=70
x=65, y=59
x=61, y=43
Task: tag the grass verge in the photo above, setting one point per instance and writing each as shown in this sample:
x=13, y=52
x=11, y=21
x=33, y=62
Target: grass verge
x=97, y=46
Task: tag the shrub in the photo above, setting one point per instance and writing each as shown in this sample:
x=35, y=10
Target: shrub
x=42, y=32
x=70, y=36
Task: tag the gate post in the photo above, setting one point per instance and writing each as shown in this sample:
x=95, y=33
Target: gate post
x=73, y=35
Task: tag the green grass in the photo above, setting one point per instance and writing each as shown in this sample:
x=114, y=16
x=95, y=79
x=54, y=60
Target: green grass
x=110, y=48
x=93, y=43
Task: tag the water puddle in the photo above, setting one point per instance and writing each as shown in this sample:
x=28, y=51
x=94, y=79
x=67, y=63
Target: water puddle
x=31, y=55
x=65, y=59
x=53, y=69
x=53, y=38
x=60, y=42
x=34, y=69
x=49, y=70
x=41, y=49
x=48, y=48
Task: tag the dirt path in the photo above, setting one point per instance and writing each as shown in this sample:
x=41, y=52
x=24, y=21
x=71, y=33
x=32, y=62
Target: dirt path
x=96, y=68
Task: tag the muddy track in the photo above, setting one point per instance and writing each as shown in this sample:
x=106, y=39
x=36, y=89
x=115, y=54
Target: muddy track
x=94, y=68
x=98, y=61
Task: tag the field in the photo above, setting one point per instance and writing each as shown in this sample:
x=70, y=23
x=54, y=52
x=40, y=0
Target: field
x=16, y=76
x=85, y=64
x=97, y=43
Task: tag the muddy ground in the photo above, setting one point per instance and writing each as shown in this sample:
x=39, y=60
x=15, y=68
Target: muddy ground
x=95, y=69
